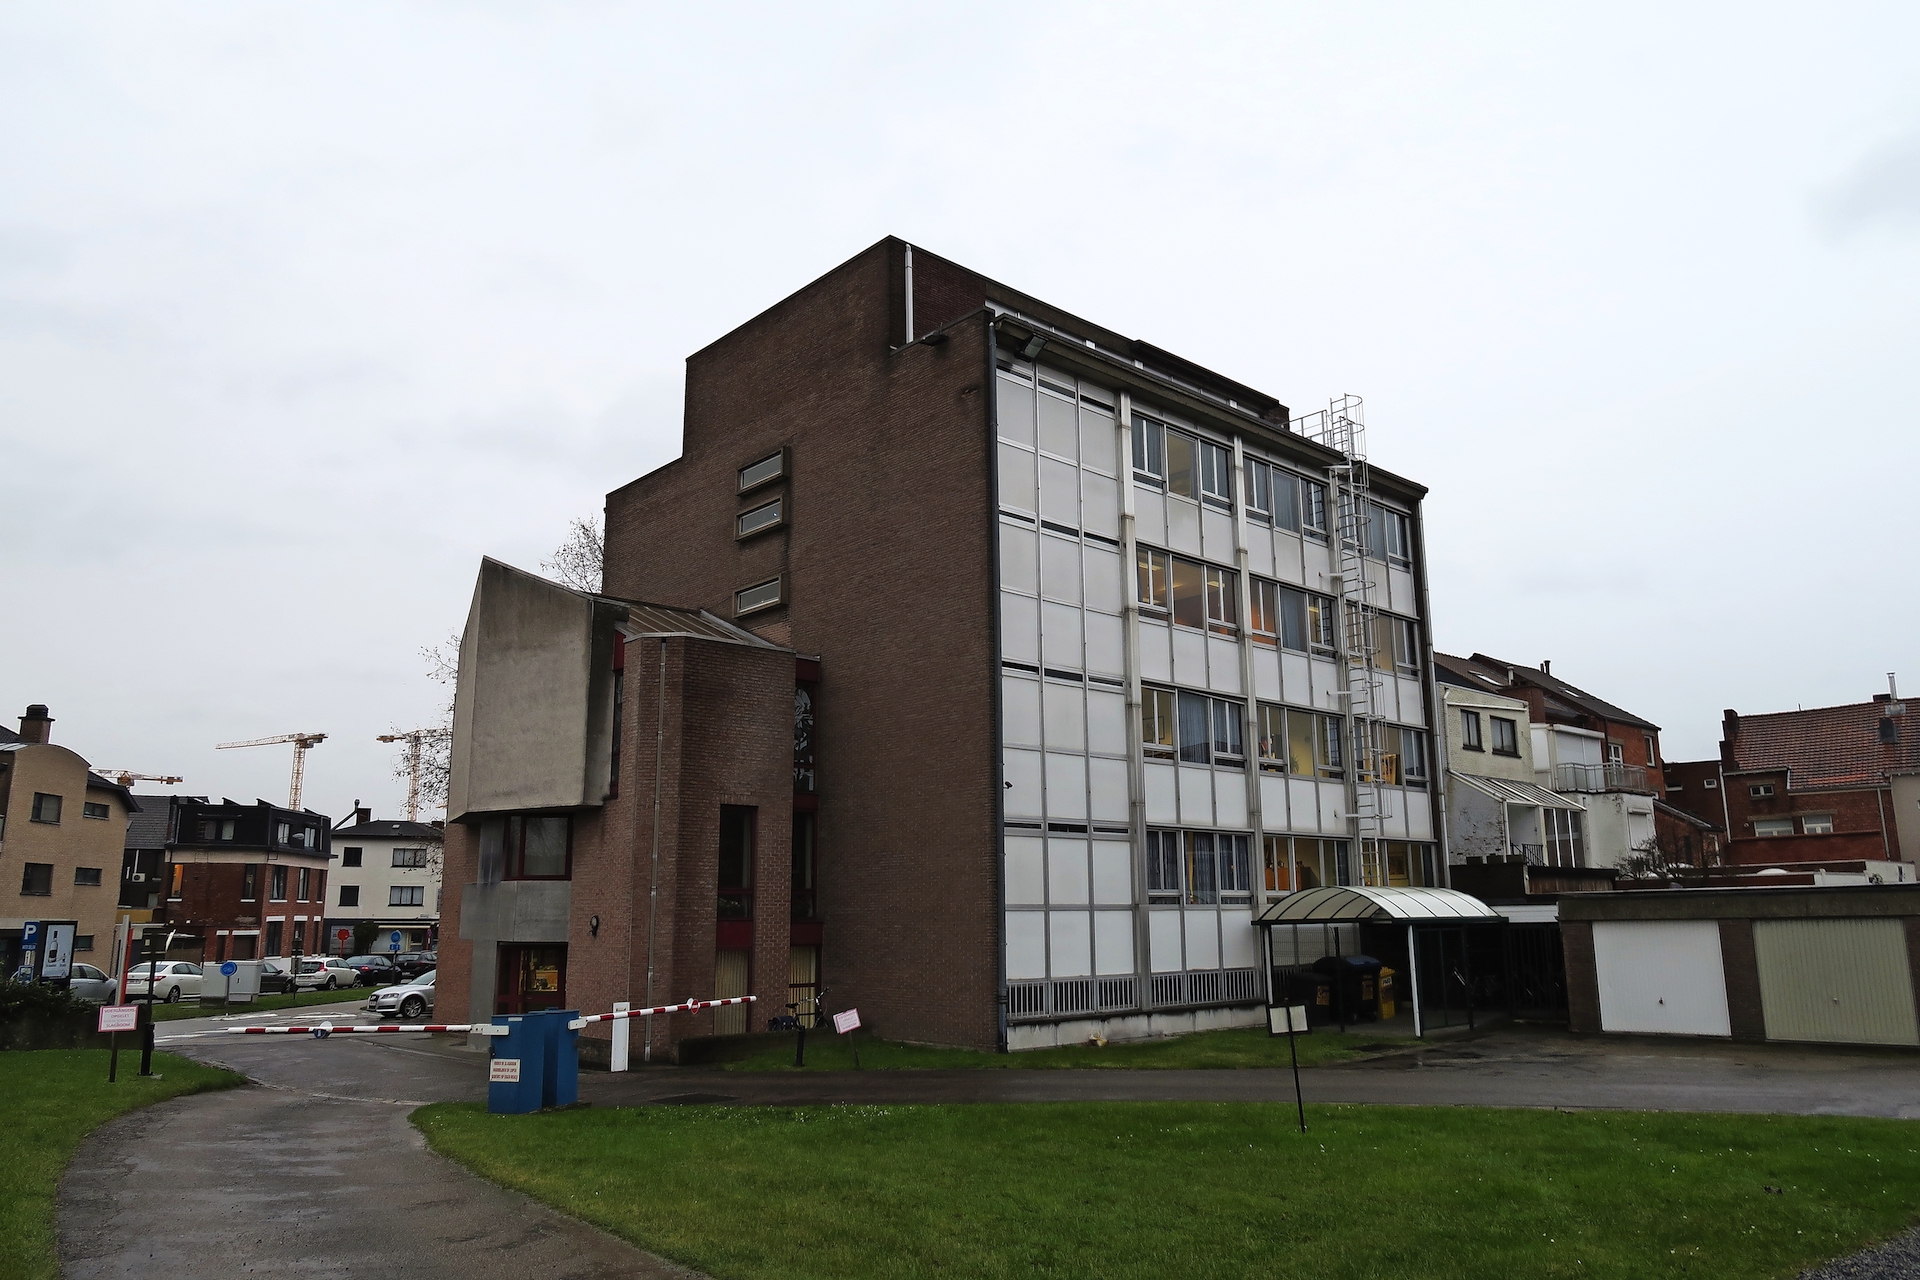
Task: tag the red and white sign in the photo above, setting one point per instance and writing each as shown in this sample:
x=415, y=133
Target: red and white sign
x=119, y=1017
x=342, y=935
x=504, y=1071
x=845, y=1022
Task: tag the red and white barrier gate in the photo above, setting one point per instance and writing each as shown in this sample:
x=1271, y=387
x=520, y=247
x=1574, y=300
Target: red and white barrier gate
x=325, y=1029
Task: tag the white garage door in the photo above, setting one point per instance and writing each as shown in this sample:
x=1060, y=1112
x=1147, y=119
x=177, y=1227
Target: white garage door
x=1661, y=976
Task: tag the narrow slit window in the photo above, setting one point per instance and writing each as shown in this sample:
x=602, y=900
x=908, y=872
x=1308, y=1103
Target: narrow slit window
x=760, y=596
x=1181, y=464
x=1216, y=474
x=1223, y=604
x=1156, y=723
x=1263, y=611
x=1149, y=452
x=755, y=474
x=1189, y=593
x=1154, y=569
x=764, y=516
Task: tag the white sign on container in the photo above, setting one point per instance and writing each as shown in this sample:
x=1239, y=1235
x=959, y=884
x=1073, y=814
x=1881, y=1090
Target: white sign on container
x=504, y=1071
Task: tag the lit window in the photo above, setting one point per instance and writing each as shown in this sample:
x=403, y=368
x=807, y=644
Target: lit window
x=1154, y=569
x=765, y=516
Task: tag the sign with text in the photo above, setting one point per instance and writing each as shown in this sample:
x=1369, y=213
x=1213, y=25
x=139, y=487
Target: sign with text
x=847, y=1021
x=1287, y=1019
x=504, y=1071
x=119, y=1017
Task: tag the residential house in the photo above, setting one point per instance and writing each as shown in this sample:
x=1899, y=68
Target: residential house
x=387, y=874
x=1817, y=785
x=1001, y=668
x=1582, y=746
x=234, y=881
x=61, y=827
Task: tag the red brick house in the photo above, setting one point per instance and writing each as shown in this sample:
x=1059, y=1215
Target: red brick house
x=1817, y=785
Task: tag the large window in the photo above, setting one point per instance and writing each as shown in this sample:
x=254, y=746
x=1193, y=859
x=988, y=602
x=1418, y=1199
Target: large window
x=409, y=857
x=46, y=808
x=1216, y=475
x=1322, y=622
x=1278, y=615
x=1295, y=862
x=222, y=829
x=277, y=882
x=1200, y=868
x=407, y=895
x=36, y=878
x=1470, y=739
x=526, y=847
x=1299, y=742
x=1210, y=731
x=349, y=895
x=1566, y=837
x=250, y=882
x=1197, y=595
x=1506, y=736
x=736, y=862
x=1273, y=495
x=1156, y=723
x=1396, y=644
x=1770, y=827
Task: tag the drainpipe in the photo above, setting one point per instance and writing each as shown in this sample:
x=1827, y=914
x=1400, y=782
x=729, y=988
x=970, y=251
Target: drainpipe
x=653, y=879
x=909, y=291
x=990, y=395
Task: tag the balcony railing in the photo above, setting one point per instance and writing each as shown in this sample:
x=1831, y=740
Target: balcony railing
x=1611, y=776
x=1534, y=855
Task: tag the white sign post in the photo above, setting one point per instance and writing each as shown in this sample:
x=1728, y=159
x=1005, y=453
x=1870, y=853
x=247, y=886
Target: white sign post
x=1290, y=1020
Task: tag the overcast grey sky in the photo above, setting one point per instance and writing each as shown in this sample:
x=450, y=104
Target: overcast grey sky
x=303, y=308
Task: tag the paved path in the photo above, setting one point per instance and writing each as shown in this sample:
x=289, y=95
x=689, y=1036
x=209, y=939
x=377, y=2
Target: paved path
x=314, y=1175
x=316, y=1170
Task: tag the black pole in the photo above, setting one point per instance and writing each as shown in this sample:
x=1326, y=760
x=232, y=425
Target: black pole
x=146, y=1013
x=800, y=1043
x=1293, y=1051
x=113, y=1058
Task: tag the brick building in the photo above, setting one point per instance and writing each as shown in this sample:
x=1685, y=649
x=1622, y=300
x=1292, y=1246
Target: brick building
x=1583, y=746
x=1103, y=650
x=232, y=881
x=1820, y=785
x=61, y=827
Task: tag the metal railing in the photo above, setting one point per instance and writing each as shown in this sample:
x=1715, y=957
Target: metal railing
x=1064, y=997
x=1611, y=776
x=1206, y=986
x=1535, y=855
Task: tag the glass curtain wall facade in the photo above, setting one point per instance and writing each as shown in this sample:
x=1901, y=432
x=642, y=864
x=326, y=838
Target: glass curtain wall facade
x=1174, y=738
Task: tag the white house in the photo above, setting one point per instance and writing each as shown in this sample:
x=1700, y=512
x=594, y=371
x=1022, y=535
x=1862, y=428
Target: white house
x=387, y=873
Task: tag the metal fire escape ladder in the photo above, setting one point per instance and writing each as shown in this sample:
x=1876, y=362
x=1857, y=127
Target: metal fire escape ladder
x=1342, y=428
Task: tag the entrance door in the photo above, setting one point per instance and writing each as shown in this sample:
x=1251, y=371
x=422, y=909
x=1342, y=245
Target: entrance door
x=1661, y=976
x=530, y=978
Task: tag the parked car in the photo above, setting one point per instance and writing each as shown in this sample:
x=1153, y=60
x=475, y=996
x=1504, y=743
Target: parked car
x=412, y=964
x=276, y=976
x=325, y=973
x=87, y=983
x=409, y=999
x=169, y=980
x=373, y=971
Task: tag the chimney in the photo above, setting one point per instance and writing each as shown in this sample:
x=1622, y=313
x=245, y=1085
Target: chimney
x=362, y=814
x=36, y=725
x=1546, y=666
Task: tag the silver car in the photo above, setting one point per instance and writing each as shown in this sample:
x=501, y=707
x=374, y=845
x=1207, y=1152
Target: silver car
x=87, y=983
x=407, y=1000
x=170, y=980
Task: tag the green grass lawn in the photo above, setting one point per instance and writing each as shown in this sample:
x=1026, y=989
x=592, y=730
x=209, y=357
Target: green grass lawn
x=54, y=1098
x=163, y=1012
x=1206, y=1189
x=1240, y=1047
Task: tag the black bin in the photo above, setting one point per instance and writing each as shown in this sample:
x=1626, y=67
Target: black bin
x=1314, y=990
x=1356, y=986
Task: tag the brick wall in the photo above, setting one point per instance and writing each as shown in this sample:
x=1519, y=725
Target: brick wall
x=889, y=558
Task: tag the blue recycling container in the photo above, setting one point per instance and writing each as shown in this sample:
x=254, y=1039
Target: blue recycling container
x=561, y=1079
x=517, y=1069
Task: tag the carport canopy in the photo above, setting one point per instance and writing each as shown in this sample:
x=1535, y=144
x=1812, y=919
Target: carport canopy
x=1511, y=791
x=1357, y=904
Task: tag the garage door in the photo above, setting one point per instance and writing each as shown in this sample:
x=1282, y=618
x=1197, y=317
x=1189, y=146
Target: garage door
x=1837, y=981
x=1661, y=976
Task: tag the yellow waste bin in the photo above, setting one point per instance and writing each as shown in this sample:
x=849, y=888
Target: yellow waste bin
x=1386, y=993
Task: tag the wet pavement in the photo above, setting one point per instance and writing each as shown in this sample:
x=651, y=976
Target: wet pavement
x=317, y=1171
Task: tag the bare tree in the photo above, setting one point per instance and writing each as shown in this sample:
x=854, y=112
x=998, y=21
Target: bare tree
x=436, y=740
x=580, y=561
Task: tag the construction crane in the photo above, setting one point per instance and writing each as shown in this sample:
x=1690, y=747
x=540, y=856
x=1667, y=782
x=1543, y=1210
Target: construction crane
x=127, y=777
x=302, y=742
x=413, y=738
